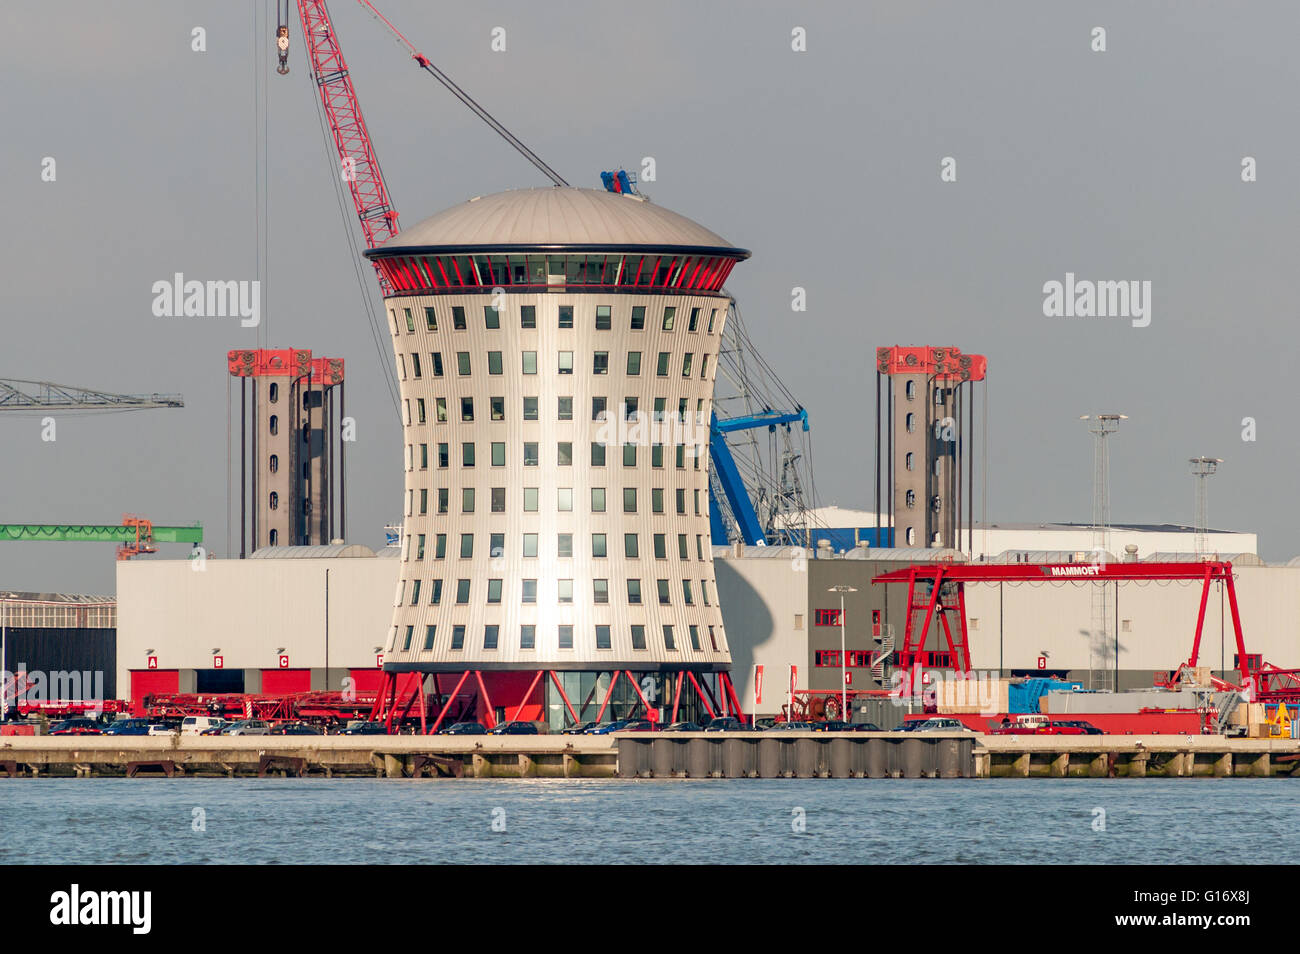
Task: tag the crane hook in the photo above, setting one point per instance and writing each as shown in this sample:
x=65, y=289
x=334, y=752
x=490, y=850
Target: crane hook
x=282, y=44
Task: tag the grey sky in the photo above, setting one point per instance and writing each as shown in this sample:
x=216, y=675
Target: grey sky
x=1115, y=165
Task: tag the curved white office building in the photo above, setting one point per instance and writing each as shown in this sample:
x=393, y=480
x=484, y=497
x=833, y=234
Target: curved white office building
x=556, y=350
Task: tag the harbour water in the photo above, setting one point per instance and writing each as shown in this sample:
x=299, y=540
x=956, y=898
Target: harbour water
x=324, y=821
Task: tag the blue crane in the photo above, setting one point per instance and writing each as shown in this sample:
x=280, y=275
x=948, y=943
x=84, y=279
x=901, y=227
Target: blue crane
x=729, y=478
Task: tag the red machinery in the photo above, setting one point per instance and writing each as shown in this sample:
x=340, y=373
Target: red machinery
x=938, y=591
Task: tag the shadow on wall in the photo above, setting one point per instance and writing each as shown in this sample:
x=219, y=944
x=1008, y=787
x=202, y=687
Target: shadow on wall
x=746, y=618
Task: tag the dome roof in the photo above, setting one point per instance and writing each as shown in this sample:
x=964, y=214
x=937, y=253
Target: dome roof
x=557, y=217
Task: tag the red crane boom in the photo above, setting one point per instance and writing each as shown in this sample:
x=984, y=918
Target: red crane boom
x=358, y=165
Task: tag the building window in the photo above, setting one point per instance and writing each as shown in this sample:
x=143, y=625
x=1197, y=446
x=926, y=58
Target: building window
x=661, y=548
x=600, y=591
x=467, y=454
x=462, y=363
x=530, y=453
x=826, y=617
x=661, y=367
x=695, y=637
x=494, y=591
x=498, y=500
x=566, y=316
x=491, y=318
x=410, y=630
x=530, y=545
x=275, y=537
x=273, y=501
x=564, y=546
x=566, y=637
x=530, y=591
x=466, y=409
x=629, y=496
x=467, y=546
x=462, y=592
x=274, y=462
x=694, y=323
x=564, y=591
x=490, y=633
x=630, y=548
x=598, y=408
x=435, y=594
x=437, y=363
x=564, y=409
x=564, y=499
x=528, y=316
x=633, y=363
x=597, y=454
x=274, y=424
x=274, y=392
x=629, y=455
x=440, y=410
x=444, y=455
x=909, y=389
x=686, y=364
x=429, y=633
x=415, y=363
x=602, y=638
x=467, y=500
x=498, y=454
x=527, y=637
x=494, y=362
x=530, y=362
x=597, y=499
x=598, y=545
x=910, y=422
x=599, y=363
x=908, y=460
x=415, y=592
x=530, y=409
x=457, y=638
x=566, y=362
x=670, y=314
x=638, y=636
x=664, y=598
x=634, y=592
x=910, y=499
x=430, y=322
x=668, y=639
x=458, y=317
x=564, y=454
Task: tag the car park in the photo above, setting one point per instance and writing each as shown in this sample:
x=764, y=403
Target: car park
x=127, y=727
x=683, y=727
x=77, y=727
x=515, y=728
x=463, y=728
x=363, y=727
x=248, y=727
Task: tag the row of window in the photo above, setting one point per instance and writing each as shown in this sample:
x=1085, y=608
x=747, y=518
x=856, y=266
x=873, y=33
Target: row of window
x=564, y=363
x=854, y=658
x=563, y=500
x=563, y=455
x=563, y=316
x=563, y=592
x=629, y=409
x=525, y=272
x=564, y=638
x=563, y=546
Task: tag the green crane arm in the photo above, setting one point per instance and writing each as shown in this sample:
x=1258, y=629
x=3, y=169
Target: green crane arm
x=111, y=533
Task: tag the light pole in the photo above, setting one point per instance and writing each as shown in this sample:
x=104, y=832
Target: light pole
x=844, y=659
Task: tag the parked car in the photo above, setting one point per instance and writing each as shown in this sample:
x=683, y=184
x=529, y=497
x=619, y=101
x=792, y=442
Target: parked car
x=463, y=728
x=77, y=727
x=161, y=728
x=248, y=727
x=727, y=724
x=127, y=727
x=197, y=725
x=605, y=728
x=639, y=725
x=364, y=727
x=217, y=728
x=1041, y=725
x=515, y=728
x=579, y=728
x=943, y=725
x=832, y=725
x=911, y=726
x=683, y=727
x=294, y=728
x=792, y=727
x=865, y=727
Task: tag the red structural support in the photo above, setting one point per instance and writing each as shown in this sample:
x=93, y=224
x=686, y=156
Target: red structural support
x=946, y=596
